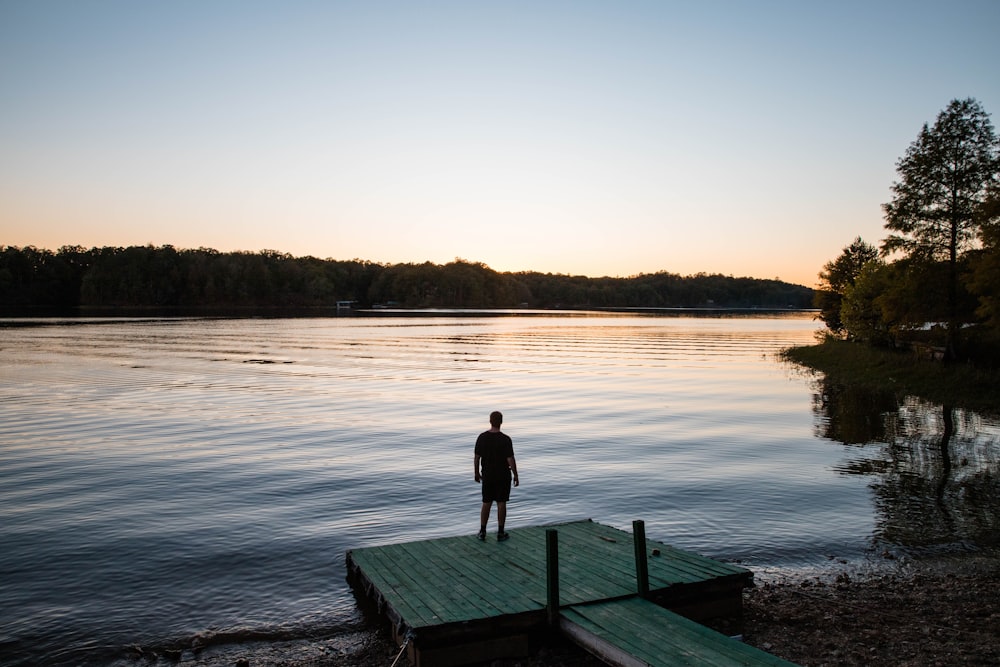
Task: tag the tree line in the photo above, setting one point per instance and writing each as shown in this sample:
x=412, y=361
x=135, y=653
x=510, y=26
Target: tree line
x=164, y=277
x=934, y=281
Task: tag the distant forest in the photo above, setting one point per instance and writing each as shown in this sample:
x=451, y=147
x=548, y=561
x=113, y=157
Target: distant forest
x=148, y=277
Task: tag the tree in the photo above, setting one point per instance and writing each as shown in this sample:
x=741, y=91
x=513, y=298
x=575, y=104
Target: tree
x=863, y=317
x=838, y=275
x=914, y=293
x=944, y=179
x=985, y=275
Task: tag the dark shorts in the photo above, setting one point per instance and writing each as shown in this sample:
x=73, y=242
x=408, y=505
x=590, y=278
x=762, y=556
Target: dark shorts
x=496, y=489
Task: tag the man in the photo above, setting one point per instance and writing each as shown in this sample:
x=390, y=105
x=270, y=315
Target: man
x=495, y=451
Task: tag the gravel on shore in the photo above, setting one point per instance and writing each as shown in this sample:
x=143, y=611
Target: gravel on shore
x=936, y=614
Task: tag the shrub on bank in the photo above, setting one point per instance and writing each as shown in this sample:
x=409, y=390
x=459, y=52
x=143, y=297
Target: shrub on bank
x=976, y=387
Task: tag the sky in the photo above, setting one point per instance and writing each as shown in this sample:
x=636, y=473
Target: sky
x=598, y=138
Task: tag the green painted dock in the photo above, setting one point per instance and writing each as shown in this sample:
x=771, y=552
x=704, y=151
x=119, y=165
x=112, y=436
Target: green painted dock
x=457, y=600
x=637, y=633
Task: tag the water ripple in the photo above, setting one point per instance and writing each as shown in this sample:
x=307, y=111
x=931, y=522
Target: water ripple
x=162, y=479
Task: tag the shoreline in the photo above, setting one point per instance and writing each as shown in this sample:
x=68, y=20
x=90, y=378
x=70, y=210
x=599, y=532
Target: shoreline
x=938, y=612
x=904, y=613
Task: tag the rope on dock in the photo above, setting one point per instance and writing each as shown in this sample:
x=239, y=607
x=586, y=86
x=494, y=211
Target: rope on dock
x=401, y=650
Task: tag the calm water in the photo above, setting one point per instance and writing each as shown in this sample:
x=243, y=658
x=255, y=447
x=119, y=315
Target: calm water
x=166, y=479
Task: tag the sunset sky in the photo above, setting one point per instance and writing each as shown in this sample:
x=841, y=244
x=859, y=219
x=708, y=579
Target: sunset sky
x=595, y=138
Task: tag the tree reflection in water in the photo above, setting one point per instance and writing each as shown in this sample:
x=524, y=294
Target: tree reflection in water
x=935, y=470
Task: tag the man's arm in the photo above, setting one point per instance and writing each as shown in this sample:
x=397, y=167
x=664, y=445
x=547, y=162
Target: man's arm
x=513, y=468
x=475, y=462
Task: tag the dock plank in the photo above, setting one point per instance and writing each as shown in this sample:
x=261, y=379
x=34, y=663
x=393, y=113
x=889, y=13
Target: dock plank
x=673, y=566
x=471, y=577
x=445, y=608
x=393, y=586
x=637, y=632
x=406, y=573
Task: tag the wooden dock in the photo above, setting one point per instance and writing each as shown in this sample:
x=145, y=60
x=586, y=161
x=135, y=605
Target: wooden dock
x=458, y=600
x=638, y=633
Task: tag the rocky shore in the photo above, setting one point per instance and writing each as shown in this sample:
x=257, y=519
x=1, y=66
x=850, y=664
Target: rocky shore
x=928, y=615
x=924, y=614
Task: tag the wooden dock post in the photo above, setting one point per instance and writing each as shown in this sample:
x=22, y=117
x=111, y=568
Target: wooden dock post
x=552, y=576
x=641, y=565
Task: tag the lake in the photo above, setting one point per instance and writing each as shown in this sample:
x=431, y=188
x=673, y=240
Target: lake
x=165, y=479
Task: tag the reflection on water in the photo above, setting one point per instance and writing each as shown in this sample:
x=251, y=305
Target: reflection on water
x=934, y=470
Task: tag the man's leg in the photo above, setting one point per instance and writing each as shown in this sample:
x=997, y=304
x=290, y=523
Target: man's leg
x=501, y=516
x=484, y=515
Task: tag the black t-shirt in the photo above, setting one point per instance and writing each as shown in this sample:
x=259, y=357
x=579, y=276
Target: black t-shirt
x=494, y=448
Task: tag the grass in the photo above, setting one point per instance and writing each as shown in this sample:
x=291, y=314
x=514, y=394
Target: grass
x=958, y=385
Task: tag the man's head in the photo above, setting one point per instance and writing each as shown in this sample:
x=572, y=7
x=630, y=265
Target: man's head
x=496, y=419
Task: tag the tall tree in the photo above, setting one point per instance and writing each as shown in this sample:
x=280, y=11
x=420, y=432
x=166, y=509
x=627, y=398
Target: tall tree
x=944, y=179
